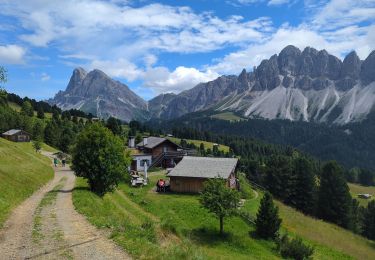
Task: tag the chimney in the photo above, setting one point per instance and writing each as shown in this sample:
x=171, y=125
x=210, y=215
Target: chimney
x=131, y=142
x=145, y=140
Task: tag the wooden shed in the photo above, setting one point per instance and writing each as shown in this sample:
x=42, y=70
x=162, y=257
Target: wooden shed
x=191, y=173
x=17, y=135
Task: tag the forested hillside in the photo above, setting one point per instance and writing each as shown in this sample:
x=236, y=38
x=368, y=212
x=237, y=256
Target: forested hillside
x=353, y=145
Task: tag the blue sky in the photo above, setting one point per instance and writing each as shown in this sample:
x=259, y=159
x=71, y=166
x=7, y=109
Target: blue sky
x=167, y=46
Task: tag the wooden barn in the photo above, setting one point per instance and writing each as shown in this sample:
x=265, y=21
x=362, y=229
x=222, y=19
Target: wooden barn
x=17, y=135
x=191, y=173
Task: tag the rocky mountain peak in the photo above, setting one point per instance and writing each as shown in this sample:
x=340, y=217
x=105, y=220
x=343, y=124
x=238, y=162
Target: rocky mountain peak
x=79, y=74
x=288, y=59
x=351, y=66
x=243, y=77
x=96, y=93
x=367, y=73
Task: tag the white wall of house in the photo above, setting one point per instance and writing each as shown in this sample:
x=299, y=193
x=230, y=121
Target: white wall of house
x=140, y=161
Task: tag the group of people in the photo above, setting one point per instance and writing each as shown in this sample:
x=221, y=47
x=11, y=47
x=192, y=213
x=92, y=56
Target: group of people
x=56, y=162
x=162, y=185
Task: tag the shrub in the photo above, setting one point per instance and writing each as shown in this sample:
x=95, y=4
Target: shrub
x=294, y=248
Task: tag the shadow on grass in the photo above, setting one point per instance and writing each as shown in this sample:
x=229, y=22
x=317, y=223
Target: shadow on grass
x=209, y=236
x=70, y=190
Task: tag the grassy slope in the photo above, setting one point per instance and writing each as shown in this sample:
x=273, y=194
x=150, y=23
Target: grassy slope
x=328, y=239
x=128, y=214
x=22, y=171
x=229, y=116
x=17, y=108
x=356, y=189
x=197, y=143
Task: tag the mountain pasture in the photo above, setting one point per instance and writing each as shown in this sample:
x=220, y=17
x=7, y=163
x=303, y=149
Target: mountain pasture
x=22, y=172
x=152, y=225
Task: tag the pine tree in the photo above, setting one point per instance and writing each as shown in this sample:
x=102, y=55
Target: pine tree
x=302, y=186
x=369, y=221
x=40, y=112
x=267, y=221
x=334, y=200
x=278, y=173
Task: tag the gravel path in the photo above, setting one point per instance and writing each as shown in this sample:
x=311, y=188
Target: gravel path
x=65, y=234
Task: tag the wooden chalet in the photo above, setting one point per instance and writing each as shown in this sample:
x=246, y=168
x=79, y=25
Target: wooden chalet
x=17, y=135
x=191, y=173
x=155, y=151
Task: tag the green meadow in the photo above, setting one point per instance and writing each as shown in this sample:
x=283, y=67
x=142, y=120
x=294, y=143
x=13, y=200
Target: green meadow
x=150, y=225
x=22, y=171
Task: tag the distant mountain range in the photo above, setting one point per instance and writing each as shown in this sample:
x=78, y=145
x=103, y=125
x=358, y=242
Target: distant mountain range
x=308, y=85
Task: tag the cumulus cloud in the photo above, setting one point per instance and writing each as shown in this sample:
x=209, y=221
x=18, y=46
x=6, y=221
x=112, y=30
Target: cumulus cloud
x=120, y=68
x=93, y=25
x=161, y=80
x=12, y=54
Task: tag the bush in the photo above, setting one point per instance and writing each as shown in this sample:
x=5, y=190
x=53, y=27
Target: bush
x=295, y=248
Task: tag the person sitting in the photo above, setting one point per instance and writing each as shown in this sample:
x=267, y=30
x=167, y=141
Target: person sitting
x=160, y=185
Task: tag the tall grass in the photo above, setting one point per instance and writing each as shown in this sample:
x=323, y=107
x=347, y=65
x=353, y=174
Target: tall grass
x=22, y=171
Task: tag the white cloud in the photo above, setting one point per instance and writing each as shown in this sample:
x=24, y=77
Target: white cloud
x=161, y=80
x=127, y=42
x=92, y=26
x=120, y=68
x=45, y=77
x=340, y=13
x=278, y=2
x=158, y=79
x=12, y=54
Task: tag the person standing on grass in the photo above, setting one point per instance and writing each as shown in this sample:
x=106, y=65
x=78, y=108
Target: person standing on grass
x=55, y=161
x=63, y=162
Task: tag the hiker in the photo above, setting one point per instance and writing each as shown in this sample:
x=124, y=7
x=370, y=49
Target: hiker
x=63, y=162
x=55, y=161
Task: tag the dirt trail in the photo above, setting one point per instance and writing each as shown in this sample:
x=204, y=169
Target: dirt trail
x=63, y=233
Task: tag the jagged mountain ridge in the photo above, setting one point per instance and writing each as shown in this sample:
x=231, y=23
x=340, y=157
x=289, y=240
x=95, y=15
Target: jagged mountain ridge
x=96, y=93
x=307, y=85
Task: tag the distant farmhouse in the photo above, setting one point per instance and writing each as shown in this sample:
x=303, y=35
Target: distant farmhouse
x=17, y=135
x=191, y=173
x=155, y=151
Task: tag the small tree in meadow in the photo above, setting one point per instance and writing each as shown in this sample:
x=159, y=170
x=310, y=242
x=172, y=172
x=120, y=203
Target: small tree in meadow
x=99, y=157
x=219, y=200
x=267, y=221
x=37, y=145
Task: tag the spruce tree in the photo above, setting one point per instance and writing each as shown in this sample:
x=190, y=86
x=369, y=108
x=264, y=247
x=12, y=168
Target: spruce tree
x=267, y=221
x=369, y=221
x=40, y=113
x=302, y=186
x=278, y=173
x=334, y=200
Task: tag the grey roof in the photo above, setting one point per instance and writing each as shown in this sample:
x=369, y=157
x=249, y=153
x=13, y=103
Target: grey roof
x=12, y=132
x=204, y=167
x=153, y=141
